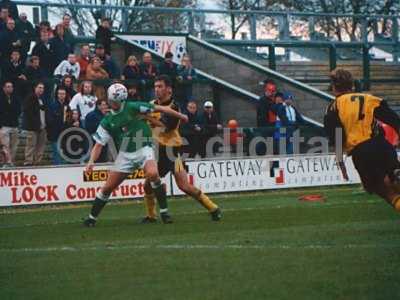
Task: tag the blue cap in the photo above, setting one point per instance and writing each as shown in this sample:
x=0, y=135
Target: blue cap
x=288, y=96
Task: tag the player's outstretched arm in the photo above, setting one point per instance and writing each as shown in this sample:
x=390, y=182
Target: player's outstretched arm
x=173, y=113
x=94, y=155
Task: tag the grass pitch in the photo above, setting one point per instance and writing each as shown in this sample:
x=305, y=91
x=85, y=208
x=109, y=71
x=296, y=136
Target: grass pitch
x=268, y=246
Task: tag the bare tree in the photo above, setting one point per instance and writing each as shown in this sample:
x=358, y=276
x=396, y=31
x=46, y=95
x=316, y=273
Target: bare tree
x=85, y=21
x=236, y=21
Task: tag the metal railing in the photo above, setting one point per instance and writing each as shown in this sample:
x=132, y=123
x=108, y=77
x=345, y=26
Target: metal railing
x=254, y=17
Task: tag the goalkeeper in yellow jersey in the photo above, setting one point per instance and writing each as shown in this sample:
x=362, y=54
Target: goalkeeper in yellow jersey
x=166, y=134
x=356, y=115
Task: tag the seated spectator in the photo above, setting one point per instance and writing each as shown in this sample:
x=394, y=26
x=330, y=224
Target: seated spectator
x=94, y=71
x=68, y=67
x=104, y=35
x=34, y=124
x=10, y=110
x=131, y=70
x=69, y=37
x=265, y=114
x=67, y=82
x=84, y=101
x=210, y=127
x=149, y=73
x=45, y=53
x=167, y=67
x=184, y=87
x=10, y=39
x=27, y=34
x=93, y=120
x=12, y=8
x=107, y=62
x=133, y=92
x=191, y=130
x=59, y=46
x=84, y=60
x=4, y=16
x=56, y=119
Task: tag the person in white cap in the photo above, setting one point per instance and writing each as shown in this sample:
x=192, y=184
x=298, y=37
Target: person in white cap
x=210, y=127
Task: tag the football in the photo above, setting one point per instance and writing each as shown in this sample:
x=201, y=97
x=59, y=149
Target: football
x=117, y=92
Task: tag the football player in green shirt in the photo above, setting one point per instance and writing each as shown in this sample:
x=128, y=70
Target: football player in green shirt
x=127, y=128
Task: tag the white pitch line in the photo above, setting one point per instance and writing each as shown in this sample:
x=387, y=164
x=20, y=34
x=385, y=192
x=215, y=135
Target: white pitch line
x=106, y=247
x=195, y=212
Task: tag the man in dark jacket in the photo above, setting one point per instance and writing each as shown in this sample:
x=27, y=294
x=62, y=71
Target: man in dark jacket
x=34, y=124
x=265, y=114
x=4, y=16
x=10, y=110
x=12, y=8
x=45, y=53
x=92, y=121
x=27, y=32
x=191, y=130
x=210, y=126
x=56, y=119
x=167, y=67
x=10, y=39
x=104, y=35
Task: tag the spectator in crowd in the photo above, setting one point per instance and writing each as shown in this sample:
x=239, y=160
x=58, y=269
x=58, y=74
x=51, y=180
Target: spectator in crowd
x=191, y=130
x=149, y=73
x=133, y=92
x=93, y=120
x=68, y=67
x=289, y=118
x=59, y=46
x=108, y=63
x=44, y=26
x=4, y=16
x=84, y=60
x=278, y=134
x=27, y=32
x=13, y=69
x=167, y=67
x=45, y=53
x=131, y=70
x=94, y=71
x=75, y=119
x=84, y=101
x=186, y=75
x=12, y=8
x=265, y=114
x=210, y=127
x=34, y=73
x=69, y=37
x=10, y=39
x=104, y=35
x=34, y=124
x=67, y=82
x=56, y=119
x=10, y=110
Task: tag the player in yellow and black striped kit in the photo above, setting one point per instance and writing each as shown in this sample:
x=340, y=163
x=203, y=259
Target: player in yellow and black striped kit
x=374, y=158
x=166, y=135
